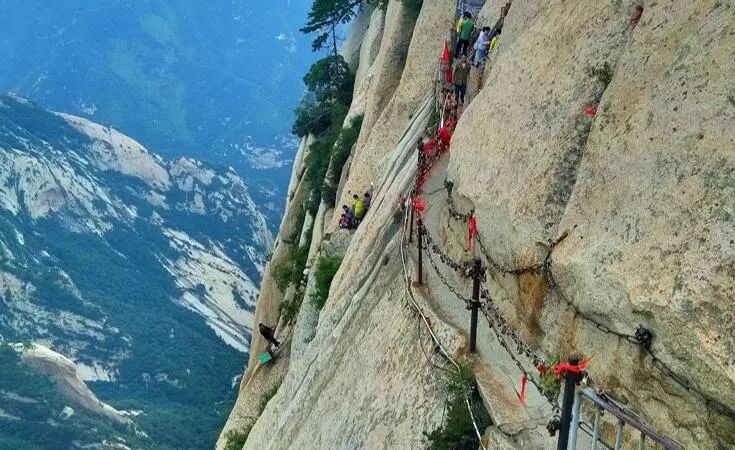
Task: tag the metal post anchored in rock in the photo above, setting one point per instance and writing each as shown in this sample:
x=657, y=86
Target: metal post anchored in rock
x=420, y=241
x=410, y=226
x=570, y=384
x=476, y=273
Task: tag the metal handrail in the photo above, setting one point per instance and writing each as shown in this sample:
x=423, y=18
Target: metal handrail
x=603, y=404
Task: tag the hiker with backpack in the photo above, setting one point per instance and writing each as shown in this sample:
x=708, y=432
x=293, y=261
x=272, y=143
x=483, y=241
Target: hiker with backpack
x=269, y=334
x=358, y=209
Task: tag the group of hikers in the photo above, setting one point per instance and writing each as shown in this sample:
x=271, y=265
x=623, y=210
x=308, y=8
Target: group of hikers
x=352, y=216
x=486, y=40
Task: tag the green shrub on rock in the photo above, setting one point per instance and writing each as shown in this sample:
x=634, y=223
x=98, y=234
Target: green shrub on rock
x=326, y=269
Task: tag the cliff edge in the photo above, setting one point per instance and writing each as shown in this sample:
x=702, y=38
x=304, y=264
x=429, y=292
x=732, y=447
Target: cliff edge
x=597, y=159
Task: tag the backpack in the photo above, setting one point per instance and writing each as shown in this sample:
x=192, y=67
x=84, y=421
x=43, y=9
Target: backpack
x=359, y=209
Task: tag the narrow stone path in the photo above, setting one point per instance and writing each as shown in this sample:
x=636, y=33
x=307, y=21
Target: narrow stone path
x=497, y=376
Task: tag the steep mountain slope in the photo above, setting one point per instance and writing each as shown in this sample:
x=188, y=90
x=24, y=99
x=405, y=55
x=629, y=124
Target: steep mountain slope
x=143, y=271
x=598, y=158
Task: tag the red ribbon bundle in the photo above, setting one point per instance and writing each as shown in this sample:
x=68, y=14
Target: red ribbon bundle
x=446, y=55
x=452, y=123
x=429, y=147
x=590, y=110
x=636, y=16
x=561, y=369
x=472, y=233
x=419, y=205
x=445, y=137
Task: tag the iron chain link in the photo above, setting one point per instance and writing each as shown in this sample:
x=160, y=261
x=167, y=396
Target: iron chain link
x=642, y=337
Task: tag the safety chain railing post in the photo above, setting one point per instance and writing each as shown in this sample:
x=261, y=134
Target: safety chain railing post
x=570, y=384
x=410, y=226
x=419, y=245
x=415, y=191
x=476, y=274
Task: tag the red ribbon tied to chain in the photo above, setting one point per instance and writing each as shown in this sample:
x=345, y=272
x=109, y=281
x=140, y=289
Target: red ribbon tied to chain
x=446, y=55
x=472, y=224
x=445, y=137
x=522, y=396
x=561, y=369
x=452, y=122
x=419, y=205
x=429, y=147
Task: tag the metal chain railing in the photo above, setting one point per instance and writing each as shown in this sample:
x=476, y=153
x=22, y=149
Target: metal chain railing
x=642, y=337
x=427, y=323
x=423, y=167
x=461, y=267
x=503, y=329
x=446, y=283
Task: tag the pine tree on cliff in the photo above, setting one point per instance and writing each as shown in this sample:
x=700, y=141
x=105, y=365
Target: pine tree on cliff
x=324, y=18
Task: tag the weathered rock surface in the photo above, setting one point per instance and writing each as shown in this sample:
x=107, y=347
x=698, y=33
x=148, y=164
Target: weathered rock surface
x=405, y=68
x=644, y=189
x=63, y=372
x=369, y=48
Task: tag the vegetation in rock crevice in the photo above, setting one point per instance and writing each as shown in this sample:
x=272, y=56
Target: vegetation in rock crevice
x=289, y=270
x=321, y=113
x=326, y=269
x=602, y=73
x=341, y=151
x=457, y=430
x=236, y=438
x=413, y=7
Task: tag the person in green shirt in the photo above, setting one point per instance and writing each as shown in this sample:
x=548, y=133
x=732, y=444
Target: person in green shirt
x=465, y=33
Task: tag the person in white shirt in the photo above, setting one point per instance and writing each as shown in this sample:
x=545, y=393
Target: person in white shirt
x=481, y=46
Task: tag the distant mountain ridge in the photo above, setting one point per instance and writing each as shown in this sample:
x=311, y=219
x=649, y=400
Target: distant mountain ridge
x=192, y=79
x=142, y=270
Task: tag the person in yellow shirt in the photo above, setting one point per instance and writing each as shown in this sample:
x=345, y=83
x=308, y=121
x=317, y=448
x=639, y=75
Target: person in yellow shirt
x=495, y=40
x=459, y=24
x=358, y=208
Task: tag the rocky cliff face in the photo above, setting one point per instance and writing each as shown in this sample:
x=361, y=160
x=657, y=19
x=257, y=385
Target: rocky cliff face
x=143, y=271
x=641, y=192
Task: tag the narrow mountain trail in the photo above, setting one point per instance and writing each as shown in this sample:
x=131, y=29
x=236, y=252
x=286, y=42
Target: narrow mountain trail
x=497, y=376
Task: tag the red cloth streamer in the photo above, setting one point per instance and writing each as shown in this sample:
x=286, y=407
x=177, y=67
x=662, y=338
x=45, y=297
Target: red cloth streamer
x=452, y=123
x=419, y=205
x=472, y=233
x=445, y=136
x=446, y=54
x=522, y=396
x=561, y=369
x=446, y=62
x=590, y=110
